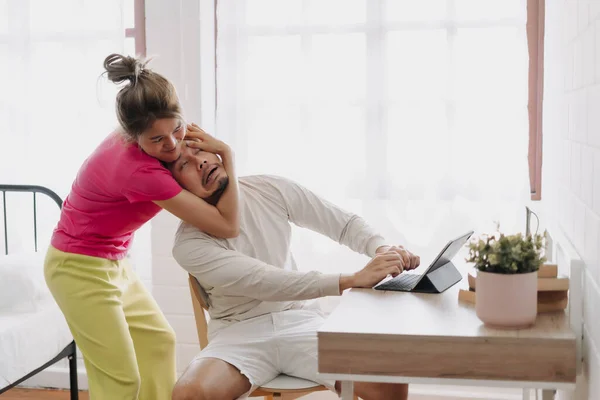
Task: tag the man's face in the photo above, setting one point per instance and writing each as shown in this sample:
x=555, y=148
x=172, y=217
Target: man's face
x=200, y=172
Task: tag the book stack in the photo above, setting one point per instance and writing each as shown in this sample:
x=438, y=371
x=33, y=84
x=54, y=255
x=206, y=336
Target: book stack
x=553, y=291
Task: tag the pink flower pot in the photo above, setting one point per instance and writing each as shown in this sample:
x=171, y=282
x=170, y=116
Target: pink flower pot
x=506, y=300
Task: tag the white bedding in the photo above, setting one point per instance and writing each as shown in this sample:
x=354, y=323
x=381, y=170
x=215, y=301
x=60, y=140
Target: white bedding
x=22, y=284
x=29, y=340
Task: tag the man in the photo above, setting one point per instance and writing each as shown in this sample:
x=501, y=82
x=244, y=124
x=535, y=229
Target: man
x=260, y=324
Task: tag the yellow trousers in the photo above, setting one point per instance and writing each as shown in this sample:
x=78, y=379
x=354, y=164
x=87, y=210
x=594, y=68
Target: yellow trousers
x=126, y=342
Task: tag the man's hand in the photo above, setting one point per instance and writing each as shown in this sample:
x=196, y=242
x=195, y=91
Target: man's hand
x=197, y=138
x=382, y=265
x=409, y=260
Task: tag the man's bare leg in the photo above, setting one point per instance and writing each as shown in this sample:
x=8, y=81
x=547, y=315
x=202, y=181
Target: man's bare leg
x=210, y=379
x=378, y=391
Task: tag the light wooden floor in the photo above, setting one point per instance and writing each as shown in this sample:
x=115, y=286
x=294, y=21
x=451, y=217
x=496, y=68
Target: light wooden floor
x=34, y=394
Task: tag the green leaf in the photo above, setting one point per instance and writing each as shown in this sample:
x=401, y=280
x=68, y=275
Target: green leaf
x=507, y=254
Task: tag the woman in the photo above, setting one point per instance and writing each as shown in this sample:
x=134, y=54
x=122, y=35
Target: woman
x=127, y=344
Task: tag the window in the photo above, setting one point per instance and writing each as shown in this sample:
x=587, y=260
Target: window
x=135, y=32
x=54, y=109
x=412, y=113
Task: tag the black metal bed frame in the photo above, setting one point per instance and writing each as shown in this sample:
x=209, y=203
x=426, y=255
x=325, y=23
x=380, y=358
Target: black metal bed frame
x=71, y=350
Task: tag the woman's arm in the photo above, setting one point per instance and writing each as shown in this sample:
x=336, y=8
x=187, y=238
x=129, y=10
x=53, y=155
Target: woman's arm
x=202, y=215
x=228, y=204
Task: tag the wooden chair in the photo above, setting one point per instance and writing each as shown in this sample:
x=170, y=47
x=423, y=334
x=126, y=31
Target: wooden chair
x=283, y=387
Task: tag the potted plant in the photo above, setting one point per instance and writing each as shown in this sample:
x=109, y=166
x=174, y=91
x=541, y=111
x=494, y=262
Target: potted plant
x=506, y=283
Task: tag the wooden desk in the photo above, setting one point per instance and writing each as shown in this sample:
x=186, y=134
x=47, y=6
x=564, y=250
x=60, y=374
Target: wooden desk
x=378, y=336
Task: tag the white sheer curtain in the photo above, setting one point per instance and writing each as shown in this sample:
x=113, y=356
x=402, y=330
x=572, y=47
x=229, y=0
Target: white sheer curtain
x=54, y=109
x=411, y=113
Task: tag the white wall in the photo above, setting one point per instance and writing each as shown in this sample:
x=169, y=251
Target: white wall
x=571, y=169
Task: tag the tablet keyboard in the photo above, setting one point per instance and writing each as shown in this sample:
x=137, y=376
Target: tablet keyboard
x=403, y=282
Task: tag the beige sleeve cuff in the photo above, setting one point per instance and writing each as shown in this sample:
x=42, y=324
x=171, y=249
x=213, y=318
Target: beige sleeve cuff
x=330, y=285
x=374, y=243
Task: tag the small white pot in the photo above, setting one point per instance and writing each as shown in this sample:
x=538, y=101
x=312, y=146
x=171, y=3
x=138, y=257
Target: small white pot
x=506, y=300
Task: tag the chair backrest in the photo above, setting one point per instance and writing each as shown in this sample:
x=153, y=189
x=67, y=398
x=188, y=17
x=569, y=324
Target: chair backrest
x=199, y=303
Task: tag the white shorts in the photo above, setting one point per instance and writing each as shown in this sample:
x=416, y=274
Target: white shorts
x=263, y=347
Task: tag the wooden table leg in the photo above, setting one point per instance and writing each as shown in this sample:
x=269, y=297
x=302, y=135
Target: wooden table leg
x=347, y=390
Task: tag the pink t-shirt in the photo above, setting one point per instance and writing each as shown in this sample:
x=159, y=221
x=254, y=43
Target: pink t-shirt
x=110, y=199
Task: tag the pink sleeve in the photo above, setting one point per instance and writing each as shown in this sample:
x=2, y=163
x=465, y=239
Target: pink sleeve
x=151, y=183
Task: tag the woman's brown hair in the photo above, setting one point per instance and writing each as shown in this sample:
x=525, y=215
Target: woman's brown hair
x=147, y=97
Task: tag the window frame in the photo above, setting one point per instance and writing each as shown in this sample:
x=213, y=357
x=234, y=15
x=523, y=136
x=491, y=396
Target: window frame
x=138, y=32
x=535, y=44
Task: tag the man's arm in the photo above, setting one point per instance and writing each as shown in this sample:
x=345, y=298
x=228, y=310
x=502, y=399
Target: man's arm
x=308, y=210
x=240, y=275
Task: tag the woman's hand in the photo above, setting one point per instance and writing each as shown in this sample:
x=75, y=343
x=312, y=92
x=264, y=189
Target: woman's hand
x=204, y=141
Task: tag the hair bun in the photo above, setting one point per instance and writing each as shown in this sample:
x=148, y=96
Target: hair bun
x=120, y=68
